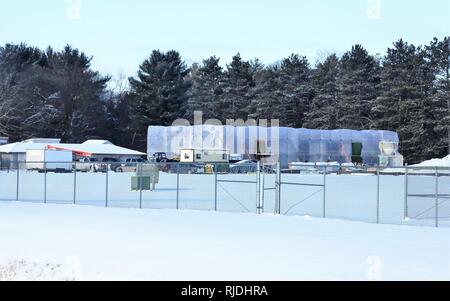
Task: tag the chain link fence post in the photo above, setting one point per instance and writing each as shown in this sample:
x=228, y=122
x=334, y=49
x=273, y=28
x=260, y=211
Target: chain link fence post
x=437, y=198
x=45, y=182
x=75, y=183
x=263, y=189
x=140, y=174
x=215, y=190
x=17, y=181
x=258, y=187
x=178, y=186
x=406, y=192
x=378, y=194
x=278, y=189
x=107, y=189
x=324, y=214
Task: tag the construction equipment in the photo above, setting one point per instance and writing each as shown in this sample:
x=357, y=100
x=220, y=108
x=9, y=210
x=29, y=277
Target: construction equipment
x=162, y=158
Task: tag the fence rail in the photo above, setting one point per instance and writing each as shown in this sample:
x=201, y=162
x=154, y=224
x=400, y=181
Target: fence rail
x=407, y=195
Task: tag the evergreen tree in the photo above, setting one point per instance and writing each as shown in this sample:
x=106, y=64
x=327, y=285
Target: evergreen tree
x=359, y=79
x=51, y=94
x=404, y=102
x=267, y=95
x=57, y=94
x=324, y=111
x=238, y=84
x=297, y=90
x=206, y=90
x=159, y=93
x=78, y=96
x=17, y=63
x=439, y=52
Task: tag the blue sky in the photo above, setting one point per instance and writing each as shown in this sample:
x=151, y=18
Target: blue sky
x=121, y=34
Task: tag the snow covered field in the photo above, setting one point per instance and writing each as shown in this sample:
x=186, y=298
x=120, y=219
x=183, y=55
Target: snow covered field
x=347, y=196
x=59, y=241
x=64, y=242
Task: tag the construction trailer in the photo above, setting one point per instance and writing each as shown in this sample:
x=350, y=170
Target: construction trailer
x=202, y=156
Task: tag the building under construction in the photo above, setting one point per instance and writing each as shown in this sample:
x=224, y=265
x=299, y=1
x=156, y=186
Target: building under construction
x=279, y=144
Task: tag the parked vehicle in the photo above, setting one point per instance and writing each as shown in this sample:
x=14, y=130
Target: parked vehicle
x=349, y=168
x=87, y=165
x=110, y=164
x=162, y=158
x=49, y=160
x=302, y=167
x=235, y=158
x=314, y=168
x=244, y=166
x=130, y=165
x=182, y=168
x=248, y=166
x=328, y=167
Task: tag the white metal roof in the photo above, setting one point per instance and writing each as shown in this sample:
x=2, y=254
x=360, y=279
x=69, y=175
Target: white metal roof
x=99, y=149
x=42, y=140
x=98, y=142
x=94, y=149
x=206, y=149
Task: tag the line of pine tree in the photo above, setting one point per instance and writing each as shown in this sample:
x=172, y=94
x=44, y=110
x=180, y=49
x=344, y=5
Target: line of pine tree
x=57, y=94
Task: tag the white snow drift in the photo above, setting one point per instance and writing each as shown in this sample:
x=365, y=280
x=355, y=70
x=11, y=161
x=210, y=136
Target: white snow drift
x=64, y=242
x=435, y=163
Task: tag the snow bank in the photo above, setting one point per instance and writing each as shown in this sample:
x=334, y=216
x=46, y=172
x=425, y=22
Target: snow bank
x=20, y=270
x=435, y=163
x=63, y=242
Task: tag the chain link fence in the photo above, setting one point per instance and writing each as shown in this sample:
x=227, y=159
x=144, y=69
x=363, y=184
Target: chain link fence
x=404, y=196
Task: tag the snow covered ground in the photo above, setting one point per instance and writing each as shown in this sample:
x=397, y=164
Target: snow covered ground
x=65, y=242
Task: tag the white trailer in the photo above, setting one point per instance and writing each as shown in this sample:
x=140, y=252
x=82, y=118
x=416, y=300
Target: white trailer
x=204, y=156
x=49, y=160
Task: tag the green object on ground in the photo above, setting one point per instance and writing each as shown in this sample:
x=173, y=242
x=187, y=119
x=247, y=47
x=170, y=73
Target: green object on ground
x=140, y=183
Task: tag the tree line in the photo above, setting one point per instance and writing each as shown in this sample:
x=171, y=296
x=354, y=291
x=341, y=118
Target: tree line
x=48, y=93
